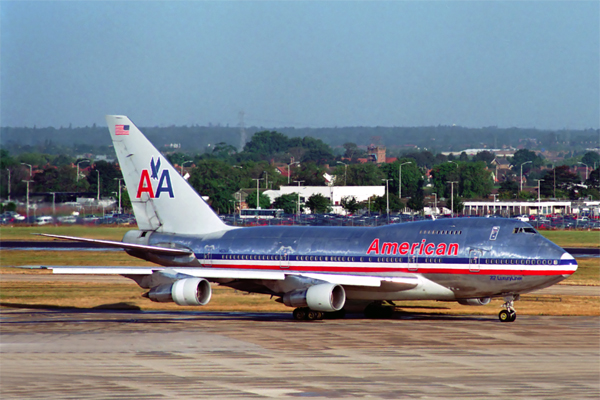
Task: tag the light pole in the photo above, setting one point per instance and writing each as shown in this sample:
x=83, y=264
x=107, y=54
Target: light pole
x=586, y=169
x=257, y=192
x=400, y=179
x=435, y=202
x=183, y=164
x=266, y=179
x=387, y=201
x=521, y=182
x=119, y=179
x=98, y=174
x=554, y=181
x=295, y=162
x=79, y=162
x=452, y=198
x=53, y=203
x=345, y=172
x=8, y=184
x=27, y=181
x=299, y=182
x=538, y=181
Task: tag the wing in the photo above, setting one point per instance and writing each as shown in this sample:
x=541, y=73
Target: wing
x=397, y=283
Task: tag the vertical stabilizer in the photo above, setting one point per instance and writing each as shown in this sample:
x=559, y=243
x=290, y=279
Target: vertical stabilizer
x=162, y=200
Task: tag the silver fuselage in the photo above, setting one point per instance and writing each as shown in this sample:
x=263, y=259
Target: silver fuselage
x=454, y=259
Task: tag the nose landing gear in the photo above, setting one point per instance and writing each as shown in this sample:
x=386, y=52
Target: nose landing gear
x=509, y=314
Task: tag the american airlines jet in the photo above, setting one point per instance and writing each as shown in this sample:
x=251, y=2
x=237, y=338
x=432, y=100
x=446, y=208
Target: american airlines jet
x=316, y=270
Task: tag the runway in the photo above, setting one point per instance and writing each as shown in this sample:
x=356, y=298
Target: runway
x=170, y=355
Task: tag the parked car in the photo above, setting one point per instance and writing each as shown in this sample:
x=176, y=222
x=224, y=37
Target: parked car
x=44, y=220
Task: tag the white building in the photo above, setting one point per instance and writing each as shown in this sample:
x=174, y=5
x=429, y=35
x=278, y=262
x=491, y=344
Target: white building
x=517, y=207
x=333, y=193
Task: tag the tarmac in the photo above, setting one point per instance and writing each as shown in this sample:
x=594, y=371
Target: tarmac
x=75, y=354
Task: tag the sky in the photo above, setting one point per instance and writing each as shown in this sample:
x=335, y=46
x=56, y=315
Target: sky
x=527, y=64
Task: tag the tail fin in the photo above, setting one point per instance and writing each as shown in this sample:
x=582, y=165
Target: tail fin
x=162, y=200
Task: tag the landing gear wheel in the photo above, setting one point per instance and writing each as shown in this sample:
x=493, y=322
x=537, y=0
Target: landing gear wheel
x=300, y=314
x=311, y=315
x=504, y=316
x=508, y=314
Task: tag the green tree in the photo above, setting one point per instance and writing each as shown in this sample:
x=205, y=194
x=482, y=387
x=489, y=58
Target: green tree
x=179, y=158
x=412, y=180
x=485, y=156
x=263, y=199
x=59, y=179
x=217, y=180
x=364, y=175
x=350, y=204
x=311, y=174
x=475, y=180
x=591, y=159
x=109, y=172
x=458, y=204
x=318, y=204
x=287, y=202
x=560, y=179
x=508, y=190
x=265, y=144
x=522, y=156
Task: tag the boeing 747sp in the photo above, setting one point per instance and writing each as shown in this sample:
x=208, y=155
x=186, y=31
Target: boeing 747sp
x=316, y=270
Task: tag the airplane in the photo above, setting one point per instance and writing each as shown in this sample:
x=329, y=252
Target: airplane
x=319, y=271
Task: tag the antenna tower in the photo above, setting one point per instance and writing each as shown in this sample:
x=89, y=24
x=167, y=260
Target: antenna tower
x=242, y=131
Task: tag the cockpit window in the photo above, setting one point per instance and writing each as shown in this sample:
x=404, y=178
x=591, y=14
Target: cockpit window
x=524, y=229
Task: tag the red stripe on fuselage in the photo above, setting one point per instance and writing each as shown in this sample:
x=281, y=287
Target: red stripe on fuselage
x=420, y=270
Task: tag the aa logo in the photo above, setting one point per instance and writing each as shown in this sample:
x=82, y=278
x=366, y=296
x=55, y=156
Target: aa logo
x=148, y=176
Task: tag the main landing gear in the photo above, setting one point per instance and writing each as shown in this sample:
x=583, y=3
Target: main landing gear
x=306, y=314
x=509, y=314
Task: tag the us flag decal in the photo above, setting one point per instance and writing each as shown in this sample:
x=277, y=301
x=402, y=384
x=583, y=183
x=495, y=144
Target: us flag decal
x=121, y=129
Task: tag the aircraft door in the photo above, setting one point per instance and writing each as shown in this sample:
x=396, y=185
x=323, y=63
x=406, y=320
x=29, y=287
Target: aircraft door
x=284, y=257
x=412, y=263
x=208, y=252
x=474, y=258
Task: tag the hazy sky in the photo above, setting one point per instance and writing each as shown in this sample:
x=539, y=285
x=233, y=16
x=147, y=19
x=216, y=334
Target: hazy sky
x=394, y=63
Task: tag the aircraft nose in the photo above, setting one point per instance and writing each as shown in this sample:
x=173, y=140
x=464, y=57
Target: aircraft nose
x=569, y=264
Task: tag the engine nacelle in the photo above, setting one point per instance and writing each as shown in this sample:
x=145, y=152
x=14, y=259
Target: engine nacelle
x=323, y=297
x=184, y=292
x=480, y=301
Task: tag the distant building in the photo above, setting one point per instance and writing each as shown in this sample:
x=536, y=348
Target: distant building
x=376, y=154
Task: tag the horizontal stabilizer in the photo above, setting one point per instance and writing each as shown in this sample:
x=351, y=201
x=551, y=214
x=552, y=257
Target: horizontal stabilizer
x=128, y=246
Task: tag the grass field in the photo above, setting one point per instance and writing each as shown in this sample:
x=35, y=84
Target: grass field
x=8, y=232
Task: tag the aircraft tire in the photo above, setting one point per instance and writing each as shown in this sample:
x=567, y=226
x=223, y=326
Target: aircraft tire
x=311, y=315
x=504, y=316
x=513, y=316
x=300, y=314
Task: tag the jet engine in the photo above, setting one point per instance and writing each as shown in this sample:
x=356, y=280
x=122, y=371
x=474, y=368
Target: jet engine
x=480, y=301
x=322, y=297
x=184, y=292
